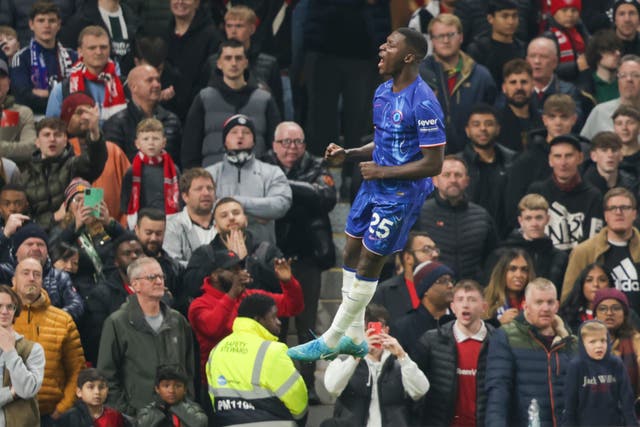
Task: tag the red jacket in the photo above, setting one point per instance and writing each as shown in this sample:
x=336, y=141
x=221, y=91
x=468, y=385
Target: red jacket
x=211, y=315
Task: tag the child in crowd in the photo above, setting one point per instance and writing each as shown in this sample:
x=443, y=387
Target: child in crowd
x=571, y=35
x=597, y=388
x=9, y=43
x=89, y=409
x=171, y=408
x=152, y=179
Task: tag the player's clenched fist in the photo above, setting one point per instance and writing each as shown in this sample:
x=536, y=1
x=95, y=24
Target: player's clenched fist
x=371, y=170
x=335, y=154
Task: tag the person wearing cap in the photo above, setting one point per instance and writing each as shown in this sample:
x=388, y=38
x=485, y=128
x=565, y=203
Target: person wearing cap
x=17, y=128
x=44, y=61
x=261, y=188
x=575, y=205
x=202, y=144
x=611, y=307
x=501, y=45
x=141, y=335
x=212, y=314
x=464, y=231
x=626, y=20
x=616, y=247
x=453, y=357
x=434, y=287
x=604, y=172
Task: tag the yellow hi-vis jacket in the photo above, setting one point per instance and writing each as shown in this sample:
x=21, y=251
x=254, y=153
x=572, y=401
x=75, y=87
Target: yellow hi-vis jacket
x=253, y=381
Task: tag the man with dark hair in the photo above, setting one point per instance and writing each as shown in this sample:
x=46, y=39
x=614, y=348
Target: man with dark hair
x=626, y=124
x=193, y=226
x=604, y=173
x=496, y=49
x=603, y=57
x=519, y=116
x=487, y=162
x=13, y=200
x=235, y=370
x=44, y=61
x=398, y=294
x=626, y=20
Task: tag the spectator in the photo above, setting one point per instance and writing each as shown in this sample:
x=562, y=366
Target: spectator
x=54, y=164
x=261, y=188
x=603, y=57
x=73, y=108
x=500, y=46
x=89, y=409
x=16, y=14
x=144, y=85
x=380, y=388
x=231, y=224
x=109, y=293
x=66, y=257
x=202, y=144
x=528, y=359
x=141, y=335
x=248, y=379
x=44, y=61
x=461, y=82
x=604, y=173
x=212, y=314
x=9, y=42
x=13, y=200
x=152, y=179
x=575, y=206
x=629, y=87
x=240, y=23
x=533, y=218
x=434, y=283
x=519, y=116
x=578, y=305
x=505, y=290
x=487, y=162
x=464, y=231
x=24, y=362
x=56, y=331
x=626, y=124
x=567, y=30
x=616, y=246
x=193, y=226
x=17, y=129
x=454, y=356
x=116, y=18
x=612, y=308
x=598, y=390
x=559, y=116
x=30, y=241
x=93, y=48
x=170, y=403
x=626, y=19
x=191, y=39
x=422, y=16
x=398, y=294
x=150, y=229
x=596, y=14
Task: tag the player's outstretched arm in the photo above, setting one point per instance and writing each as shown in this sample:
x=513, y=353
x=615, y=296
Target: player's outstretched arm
x=429, y=165
x=336, y=155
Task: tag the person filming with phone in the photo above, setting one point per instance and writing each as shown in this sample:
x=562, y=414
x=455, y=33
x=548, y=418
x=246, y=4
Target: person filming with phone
x=380, y=389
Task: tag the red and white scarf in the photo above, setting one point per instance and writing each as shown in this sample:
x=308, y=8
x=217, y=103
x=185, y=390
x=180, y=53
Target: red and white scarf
x=114, y=99
x=570, y=42
x=171, y=190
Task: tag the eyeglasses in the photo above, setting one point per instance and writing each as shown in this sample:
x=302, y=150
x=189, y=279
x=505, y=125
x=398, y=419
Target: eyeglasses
x=427, y=249
x=445, y=36
x=151, y=277
x=287, y=142
x=621, y=208
x=613, y=309
x=634, y=76
x=8, y=307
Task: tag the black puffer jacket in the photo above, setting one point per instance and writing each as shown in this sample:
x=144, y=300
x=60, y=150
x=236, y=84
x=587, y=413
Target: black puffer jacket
x=305, y=230
x=437, y=356
x=465, y=234
x=46, y=179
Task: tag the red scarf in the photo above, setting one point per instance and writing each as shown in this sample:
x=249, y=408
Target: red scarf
x=171, y=191
x=570, y=42
x=114, y=99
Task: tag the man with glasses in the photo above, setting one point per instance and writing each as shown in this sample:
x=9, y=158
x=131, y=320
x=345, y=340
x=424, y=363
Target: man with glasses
x=600, y=118
x=462, y=82
x=141, y=335
x=616, y=246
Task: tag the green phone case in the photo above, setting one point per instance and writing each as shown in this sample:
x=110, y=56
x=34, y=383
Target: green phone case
x=92, y=198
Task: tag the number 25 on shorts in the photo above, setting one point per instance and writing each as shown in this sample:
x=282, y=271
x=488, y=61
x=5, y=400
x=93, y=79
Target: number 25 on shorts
x=379, y=226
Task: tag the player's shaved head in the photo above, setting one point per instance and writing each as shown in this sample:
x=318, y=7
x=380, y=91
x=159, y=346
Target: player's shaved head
x=415, y=41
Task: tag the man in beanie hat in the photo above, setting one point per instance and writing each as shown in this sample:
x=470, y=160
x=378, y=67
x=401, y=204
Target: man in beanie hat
x=202, y=144
x=261, y=188
x=626, y=19
x=117, y=163
x=434, y=286
x=30, y=241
